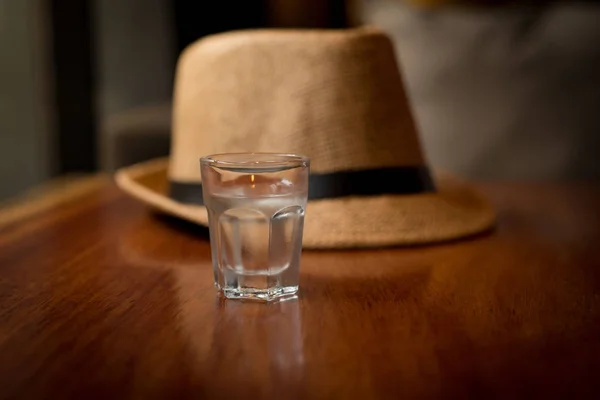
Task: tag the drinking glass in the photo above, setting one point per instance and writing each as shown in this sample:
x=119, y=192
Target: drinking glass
x=256, y=204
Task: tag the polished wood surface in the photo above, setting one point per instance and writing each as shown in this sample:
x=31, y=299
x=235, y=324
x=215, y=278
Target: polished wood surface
x=99, y=298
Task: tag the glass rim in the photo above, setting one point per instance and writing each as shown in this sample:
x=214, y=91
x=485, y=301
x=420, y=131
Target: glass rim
x=255, y=160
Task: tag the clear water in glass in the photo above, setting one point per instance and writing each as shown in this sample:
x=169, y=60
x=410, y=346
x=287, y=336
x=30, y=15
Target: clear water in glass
x=256, y=205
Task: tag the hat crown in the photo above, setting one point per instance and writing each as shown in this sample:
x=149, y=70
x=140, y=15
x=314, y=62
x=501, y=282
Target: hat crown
x=334, y=95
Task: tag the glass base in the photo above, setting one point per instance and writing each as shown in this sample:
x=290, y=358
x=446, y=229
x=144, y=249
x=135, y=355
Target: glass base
x=272, y=294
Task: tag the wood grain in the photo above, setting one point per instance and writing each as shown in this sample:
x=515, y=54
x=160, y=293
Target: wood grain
x=99, y=298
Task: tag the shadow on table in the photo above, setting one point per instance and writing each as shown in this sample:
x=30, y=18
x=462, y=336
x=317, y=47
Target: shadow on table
x=201, y=231
x=182, y=225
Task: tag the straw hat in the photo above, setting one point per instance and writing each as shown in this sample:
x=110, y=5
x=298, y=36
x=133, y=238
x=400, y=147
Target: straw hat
x=334, y=95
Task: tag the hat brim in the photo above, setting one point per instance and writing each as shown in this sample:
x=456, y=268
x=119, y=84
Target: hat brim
x=454, y=211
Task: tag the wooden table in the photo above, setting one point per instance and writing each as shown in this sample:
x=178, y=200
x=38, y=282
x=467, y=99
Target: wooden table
x=99, y=298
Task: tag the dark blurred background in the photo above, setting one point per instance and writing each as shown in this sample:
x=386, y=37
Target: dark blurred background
x=500, y=90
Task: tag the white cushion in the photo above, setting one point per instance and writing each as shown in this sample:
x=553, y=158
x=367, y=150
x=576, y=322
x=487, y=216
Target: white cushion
x=502, y=92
